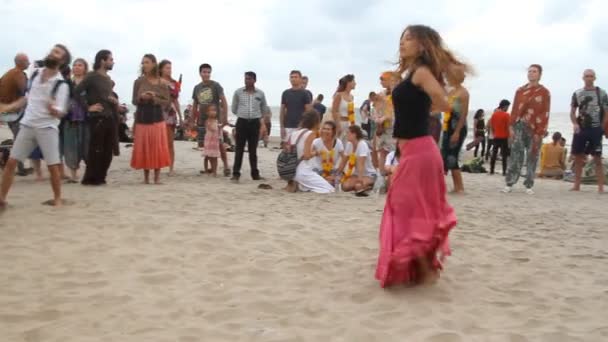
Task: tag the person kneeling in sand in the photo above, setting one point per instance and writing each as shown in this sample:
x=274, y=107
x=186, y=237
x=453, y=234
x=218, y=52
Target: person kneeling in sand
x=553, y=157
x=360, y=174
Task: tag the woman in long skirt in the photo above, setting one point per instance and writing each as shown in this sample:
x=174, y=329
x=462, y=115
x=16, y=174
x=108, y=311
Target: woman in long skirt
x=417, y=217
x=151, y=96
x=75, y=128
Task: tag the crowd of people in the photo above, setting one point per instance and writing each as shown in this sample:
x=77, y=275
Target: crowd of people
x=409, y=135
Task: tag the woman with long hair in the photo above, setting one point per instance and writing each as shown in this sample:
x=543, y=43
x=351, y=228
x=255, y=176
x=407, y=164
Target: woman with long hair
x=307, y=179
x=343, y=105
x=75, y=128
x=417, y=217
x=359, y=173
x=329, y=151
x=151, y=96
x=455, y=125
x=479, y=123
x=173, y=112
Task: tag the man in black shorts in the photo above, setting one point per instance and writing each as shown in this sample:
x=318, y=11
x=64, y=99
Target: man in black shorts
x=592, y=105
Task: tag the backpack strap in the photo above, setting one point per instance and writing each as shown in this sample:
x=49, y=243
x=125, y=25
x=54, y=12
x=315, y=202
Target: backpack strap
x=600, y=104
x=299, y=137
x=56, y=86
x=31, y=80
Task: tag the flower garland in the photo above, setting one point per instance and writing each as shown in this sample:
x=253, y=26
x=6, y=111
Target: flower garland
x=327, y=162
x=352, y=161
x=448, y=115
x=351, y=113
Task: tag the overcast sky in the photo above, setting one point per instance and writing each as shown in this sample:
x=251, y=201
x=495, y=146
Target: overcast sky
x=324, y=39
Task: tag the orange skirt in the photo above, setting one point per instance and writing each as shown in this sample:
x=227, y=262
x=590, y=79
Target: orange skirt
x=150, y=149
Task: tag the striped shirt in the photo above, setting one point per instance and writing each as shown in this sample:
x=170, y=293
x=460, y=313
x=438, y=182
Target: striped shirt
x=249, y=105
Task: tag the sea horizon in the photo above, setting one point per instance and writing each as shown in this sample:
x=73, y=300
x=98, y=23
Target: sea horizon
x=558, y=122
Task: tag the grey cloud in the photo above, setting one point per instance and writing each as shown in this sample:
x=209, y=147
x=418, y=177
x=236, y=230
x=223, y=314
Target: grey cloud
x=555, y=11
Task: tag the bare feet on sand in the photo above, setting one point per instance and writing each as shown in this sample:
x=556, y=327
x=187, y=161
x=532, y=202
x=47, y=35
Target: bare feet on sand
x=57, y=203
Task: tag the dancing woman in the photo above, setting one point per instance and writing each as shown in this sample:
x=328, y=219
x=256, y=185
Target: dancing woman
x=417, y=217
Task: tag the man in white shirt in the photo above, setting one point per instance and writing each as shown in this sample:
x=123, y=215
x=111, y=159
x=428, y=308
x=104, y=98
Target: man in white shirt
x=47, y=102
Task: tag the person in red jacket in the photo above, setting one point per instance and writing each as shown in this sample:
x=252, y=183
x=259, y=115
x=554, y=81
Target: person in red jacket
x=500, y=123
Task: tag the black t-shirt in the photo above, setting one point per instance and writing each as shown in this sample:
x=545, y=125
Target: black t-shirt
x=295, y=100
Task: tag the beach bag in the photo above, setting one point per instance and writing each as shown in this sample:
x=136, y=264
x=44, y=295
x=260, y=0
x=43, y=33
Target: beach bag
x=287, y=161
x=475, y=165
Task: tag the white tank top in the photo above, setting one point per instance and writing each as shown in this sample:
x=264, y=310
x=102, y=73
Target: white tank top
x=300, y=136
x=343, y=109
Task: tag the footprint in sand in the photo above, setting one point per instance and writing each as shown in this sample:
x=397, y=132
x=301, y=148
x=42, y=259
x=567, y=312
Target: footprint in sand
x=63, y=202
x=362, y=297
x=517, y=338
x=444, y=337
x=157, y=279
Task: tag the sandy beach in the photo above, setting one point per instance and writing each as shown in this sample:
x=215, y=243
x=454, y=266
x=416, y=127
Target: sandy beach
x=201, y=259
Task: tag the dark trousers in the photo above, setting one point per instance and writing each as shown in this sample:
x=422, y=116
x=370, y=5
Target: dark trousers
x=101, y=147
x=482, y=142
x=503, y=145
x=247, y=132
x=489, y=149
x=368, y=129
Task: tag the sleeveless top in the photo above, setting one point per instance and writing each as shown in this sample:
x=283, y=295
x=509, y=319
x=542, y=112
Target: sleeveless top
x=343, y=109
x=412, y=110
x=450, y=119
x=480, y=128
x=300, y=136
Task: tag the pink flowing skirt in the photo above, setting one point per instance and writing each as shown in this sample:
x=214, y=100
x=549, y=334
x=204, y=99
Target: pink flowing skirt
x=417, y=217
x=150, y=149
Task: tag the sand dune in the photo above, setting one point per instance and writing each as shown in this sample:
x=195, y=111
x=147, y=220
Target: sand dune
x=201, y=259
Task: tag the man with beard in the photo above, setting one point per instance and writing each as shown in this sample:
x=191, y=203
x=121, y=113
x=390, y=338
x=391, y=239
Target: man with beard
x=47, y=102
x=95, y=91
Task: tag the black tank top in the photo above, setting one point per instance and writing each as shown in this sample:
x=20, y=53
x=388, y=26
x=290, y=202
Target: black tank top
x=412, y=110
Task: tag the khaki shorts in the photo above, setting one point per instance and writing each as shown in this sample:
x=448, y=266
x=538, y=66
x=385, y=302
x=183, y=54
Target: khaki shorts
x=29, y=138
x=385, y=142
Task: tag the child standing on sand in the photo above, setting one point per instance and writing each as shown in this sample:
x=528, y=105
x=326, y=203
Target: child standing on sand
x=211, y=150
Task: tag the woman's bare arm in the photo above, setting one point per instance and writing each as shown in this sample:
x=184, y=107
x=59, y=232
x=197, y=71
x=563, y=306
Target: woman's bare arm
x=424, y=79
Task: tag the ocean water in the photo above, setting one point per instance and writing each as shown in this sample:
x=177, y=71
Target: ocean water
x=558, y=122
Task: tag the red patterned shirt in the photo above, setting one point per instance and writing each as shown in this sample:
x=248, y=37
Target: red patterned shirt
x=532, y=105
